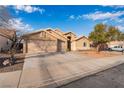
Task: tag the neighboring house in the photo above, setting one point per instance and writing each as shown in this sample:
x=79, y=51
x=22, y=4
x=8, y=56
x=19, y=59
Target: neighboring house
x=50, y=40
x=5, y=43
x=115, y=43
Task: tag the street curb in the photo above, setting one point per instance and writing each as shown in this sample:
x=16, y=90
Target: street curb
x=79, y=76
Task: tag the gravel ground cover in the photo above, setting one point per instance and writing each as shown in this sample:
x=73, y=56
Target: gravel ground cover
x=17, y=66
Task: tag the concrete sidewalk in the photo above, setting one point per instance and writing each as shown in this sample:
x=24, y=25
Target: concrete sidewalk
x=54, y=71
x=10, y=79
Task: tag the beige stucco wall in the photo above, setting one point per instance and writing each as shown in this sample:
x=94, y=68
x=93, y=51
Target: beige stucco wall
x=3, y=43
x=73, y=45
x=40, y=42
x=79, y=44
x=43, y=42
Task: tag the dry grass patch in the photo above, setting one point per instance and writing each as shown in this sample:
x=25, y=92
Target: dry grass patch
x=93, y=53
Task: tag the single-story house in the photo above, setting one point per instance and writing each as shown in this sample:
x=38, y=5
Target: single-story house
x=115, y=43
x=5, y=43
x=43, y=41
x=49, y=40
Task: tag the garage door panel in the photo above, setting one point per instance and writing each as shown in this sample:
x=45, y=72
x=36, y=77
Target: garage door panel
x=42, y=46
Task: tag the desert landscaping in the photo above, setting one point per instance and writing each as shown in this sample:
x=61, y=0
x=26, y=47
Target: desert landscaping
x=102, y=54
x=20, y=58
x=17, y=66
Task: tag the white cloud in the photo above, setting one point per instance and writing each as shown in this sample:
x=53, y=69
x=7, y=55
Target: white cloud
x=117, y=20
x=16, y=23
x=114, y=6
x=28, y=9
x=99, y=15
x=72, y=17
x=118, y=6
x=121, y=28
x=105, y=21
x=103, y=15
x=79, y=17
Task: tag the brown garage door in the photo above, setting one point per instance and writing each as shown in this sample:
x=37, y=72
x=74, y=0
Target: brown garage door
x=41, y=46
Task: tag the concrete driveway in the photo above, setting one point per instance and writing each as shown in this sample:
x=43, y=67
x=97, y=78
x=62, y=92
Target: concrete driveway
x=59, y=69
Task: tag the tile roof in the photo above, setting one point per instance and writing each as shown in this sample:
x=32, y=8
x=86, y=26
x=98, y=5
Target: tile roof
x=7, y=32
x=48, y=32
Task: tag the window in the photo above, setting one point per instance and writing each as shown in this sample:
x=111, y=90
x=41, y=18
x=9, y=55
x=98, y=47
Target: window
x=84, y=44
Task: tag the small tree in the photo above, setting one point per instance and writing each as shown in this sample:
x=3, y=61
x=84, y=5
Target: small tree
x=103, y=34
x=98, y=36
x=113, y=33
x=121, y=37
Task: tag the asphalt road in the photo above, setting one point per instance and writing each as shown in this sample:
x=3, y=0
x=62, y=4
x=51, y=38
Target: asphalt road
x=111, y=78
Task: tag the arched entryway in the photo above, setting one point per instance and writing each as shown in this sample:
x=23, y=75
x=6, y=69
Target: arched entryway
x=69, y=43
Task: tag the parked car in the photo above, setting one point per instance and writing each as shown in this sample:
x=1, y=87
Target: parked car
x=116, y=48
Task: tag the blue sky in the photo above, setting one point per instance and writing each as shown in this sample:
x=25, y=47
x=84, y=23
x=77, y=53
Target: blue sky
x=78, y=19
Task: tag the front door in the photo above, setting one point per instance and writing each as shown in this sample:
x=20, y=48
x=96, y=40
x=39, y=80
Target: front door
x=69, y=43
